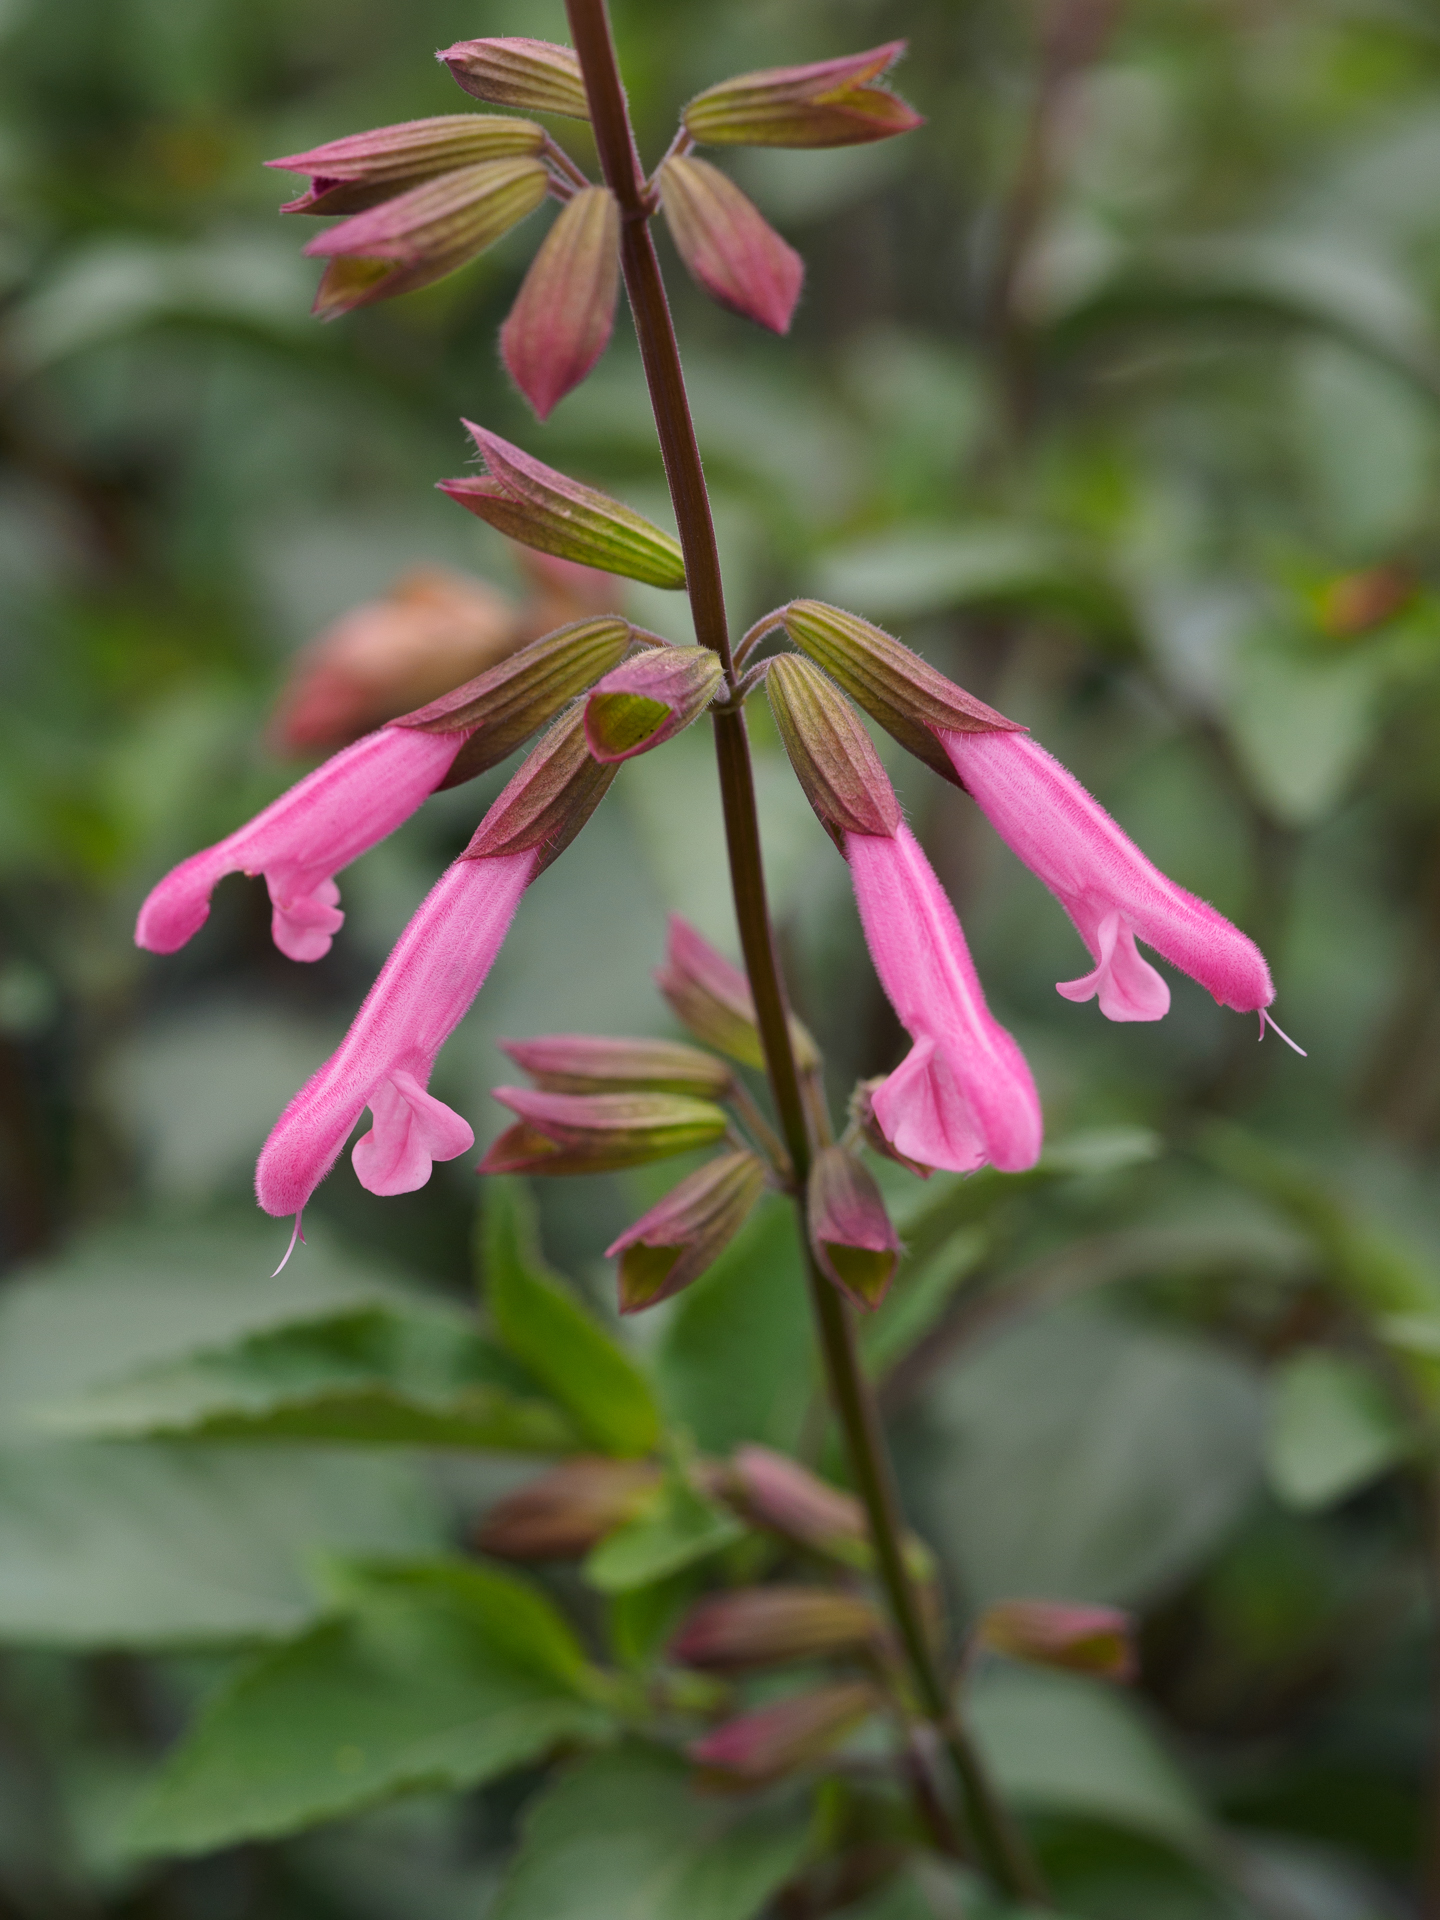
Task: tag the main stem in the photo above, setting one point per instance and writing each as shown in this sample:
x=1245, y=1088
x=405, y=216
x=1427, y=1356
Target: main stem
x=999, y=1846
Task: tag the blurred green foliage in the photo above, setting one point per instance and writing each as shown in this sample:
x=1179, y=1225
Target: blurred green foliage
x=1115, y=391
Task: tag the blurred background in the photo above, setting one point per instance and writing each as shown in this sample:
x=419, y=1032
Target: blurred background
x=1114, y=390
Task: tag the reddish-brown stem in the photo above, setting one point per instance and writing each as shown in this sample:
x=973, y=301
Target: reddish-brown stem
x=997, y=1843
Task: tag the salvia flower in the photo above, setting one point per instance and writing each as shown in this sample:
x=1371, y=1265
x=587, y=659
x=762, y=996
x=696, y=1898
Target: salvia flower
x=438, y=965
x=729, y=247
x=303, y=839
x=424, y=233
x=1106, y=885
x=963, y=1095
x=829, y=103
x=687, y=1231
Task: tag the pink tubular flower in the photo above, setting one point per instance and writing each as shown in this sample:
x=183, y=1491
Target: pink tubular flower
x=963, y=1095
x=1105, y=884
x=424, y=989
x=303, y=839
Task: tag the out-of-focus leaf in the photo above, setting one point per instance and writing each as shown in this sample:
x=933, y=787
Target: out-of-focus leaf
x=1061, y=1744
x=1125, y=1454
x=1333, y=1429
x=119, y=1300
x=114, y=285
x=1367, y=448
x=547, y=1330
x=1290, y=279
x=736, y=1360
x=421, y=1376
x=435, y=1676
x=918, y=1299
x=1303, y=722
x=913, y=571
x=137, y=1545
x=624, y=1836
x=679, y=1529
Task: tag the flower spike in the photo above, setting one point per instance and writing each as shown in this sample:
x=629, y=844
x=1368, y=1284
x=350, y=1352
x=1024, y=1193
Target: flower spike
x=731, y=251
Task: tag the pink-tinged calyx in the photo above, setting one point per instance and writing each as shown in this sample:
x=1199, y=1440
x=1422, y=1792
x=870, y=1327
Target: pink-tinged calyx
x=963, y=1096
x=357, y=172
x=303, y=839
x=728, y=246
x=512, y=71
x=564, y=314
x=1110, y=890
x=687, y=1231
x=852, y=1235
x=438, y=965
x=648, y=699
x=828, y=103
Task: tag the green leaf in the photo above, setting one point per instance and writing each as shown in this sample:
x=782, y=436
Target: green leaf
x=139, y=1545
x=420, y=1376
x=918, y=1299
x=552, y=1336
x=679, y=1529
x=437, y=1676
x=1333, y=1429
x=1061, y=1744
x=1125, y=1454
x=736, y=1360
x=624, y=1836
x=1303, y=722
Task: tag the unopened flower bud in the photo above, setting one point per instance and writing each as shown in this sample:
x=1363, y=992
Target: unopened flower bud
x=429, y=631
x=502, y=707
x=831, y=752
x=728, y=246
x=599, y=1133
x=537, y=75
x=353, y=174
x=594, y=1063
x=853, y=1237
x=826, y=104
x=791, y=1734
x=677, y=1240
x=712, y=999
x=769, y=1626
x=562, y=1514
x=1357, y=602
x=1044, y=1633
x=862, y=1111
x=564, y=314
x=648, y=699
x=894, y=686
x=546, y=801
x=423, y=234
x=542, y=508
x=771, y=1490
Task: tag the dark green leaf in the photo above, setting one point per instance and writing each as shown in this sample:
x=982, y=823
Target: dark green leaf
x=625, y=1836
x=553, y=1337
x=435, y=1676
x=1333, y=1429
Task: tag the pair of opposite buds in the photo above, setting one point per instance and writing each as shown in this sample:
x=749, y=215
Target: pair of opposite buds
x=425, y=197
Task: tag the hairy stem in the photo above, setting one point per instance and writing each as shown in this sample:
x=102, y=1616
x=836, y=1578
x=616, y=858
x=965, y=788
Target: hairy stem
x=996, y=1842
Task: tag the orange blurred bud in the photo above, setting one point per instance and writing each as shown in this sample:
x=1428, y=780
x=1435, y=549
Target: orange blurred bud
x=1356, y=602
